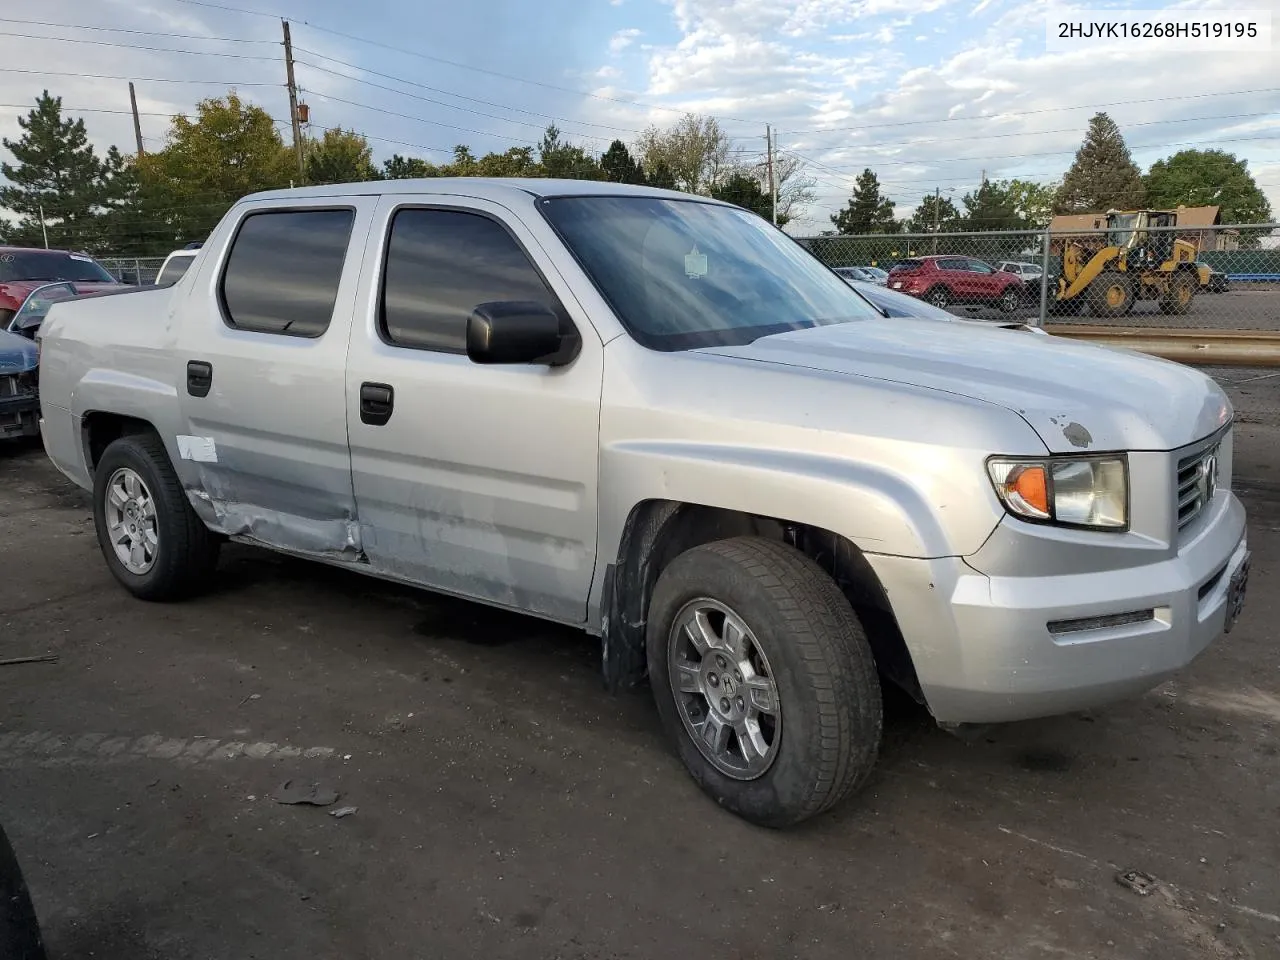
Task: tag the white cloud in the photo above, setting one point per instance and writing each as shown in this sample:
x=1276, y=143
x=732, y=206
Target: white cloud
x=622, y=39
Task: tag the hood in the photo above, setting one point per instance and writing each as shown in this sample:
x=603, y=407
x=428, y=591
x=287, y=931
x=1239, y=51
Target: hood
x=17, y=354
x=14, y=292
x=1078, y=397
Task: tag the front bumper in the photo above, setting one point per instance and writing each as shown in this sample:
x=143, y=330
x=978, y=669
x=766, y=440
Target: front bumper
x=19, y=415
x=989, y=649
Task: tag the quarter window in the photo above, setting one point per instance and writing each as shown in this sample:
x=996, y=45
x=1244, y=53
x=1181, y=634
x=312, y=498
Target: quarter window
x=283, y=271
x=441, y=265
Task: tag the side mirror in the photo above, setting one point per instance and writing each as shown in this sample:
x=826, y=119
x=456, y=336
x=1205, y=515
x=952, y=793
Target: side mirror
x=517, y=331
x=28, y=325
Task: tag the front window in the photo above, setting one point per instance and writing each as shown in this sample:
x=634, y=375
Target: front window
x=682, y=274
x=1121, y=228
x=51, y=265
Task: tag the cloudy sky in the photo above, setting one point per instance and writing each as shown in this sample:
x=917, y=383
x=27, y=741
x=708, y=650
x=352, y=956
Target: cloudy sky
x=928, y=93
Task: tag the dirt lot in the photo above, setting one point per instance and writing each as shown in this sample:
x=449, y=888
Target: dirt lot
x=509, y=808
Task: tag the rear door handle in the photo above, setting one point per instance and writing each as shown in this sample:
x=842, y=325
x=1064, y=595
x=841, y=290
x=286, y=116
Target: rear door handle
x=377, y=401
x=199, y=378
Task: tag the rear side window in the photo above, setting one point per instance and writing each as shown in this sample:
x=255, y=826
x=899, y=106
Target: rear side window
x=283, y=271
x=441, y=265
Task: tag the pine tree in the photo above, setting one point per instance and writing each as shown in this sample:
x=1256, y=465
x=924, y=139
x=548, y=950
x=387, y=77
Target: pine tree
x=660, y=176
x=619, y=166
x=868, y=210
x=925, y=216
x=58, y=177
x=1103, y=176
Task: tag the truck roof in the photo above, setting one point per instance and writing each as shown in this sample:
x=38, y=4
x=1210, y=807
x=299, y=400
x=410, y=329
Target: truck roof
x=490, y=188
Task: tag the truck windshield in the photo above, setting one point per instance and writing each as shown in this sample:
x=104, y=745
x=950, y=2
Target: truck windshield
x=682, y=274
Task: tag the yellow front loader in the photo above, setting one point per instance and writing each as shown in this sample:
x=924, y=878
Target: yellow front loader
x=1131, y=263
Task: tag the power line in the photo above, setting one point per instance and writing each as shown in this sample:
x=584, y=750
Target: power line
x=423, y=86
x=138, y=46
x=108, y=76
x=142, y=33
x=406, y=116
x=440, y=103
x=27, y=106
x=1028, y=113
x=1026, y=156
x=452, y=63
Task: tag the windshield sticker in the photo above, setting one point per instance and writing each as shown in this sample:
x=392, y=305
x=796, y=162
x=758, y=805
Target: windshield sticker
x=76, y=256
x=695, y=264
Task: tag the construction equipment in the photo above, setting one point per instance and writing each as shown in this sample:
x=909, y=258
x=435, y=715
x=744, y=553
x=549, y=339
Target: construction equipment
x=1139, y=258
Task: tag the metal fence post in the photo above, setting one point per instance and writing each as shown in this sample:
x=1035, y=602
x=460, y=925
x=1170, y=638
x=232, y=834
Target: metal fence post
x=1044, y=281
x=137, y=271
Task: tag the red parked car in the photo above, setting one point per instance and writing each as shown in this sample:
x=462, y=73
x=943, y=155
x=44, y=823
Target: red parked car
x=23, y=269
x=944, y=280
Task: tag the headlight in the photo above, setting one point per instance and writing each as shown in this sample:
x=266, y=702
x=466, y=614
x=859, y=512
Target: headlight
x=1092, y=492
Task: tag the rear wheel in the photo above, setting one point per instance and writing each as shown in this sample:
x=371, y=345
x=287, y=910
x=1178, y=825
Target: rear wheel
x=1111, y=294
x=938, y=297
x=153, y=542
x=1179, y=295
x=764, y=679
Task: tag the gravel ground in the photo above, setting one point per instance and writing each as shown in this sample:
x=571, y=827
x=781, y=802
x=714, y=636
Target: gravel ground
x=507, y=807
x=1252, y=307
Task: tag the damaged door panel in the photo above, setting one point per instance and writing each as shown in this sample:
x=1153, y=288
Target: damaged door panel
x=472, y=478
x=260, y=367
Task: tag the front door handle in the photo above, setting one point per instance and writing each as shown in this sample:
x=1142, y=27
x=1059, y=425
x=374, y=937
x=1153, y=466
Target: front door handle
x=377, y=400
x=199, y=378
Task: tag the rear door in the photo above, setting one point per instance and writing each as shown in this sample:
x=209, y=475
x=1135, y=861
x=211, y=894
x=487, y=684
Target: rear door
x=477, y=480
x=955, y=275
x=262, y=351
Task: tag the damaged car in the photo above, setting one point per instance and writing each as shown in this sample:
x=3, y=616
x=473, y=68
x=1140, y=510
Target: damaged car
x=19, y=387
x=655, y=417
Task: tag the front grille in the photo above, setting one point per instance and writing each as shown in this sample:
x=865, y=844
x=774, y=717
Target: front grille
x=1197, y=482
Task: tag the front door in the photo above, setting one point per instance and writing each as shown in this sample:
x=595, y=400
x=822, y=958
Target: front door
x=475, y=480
x=261, y=354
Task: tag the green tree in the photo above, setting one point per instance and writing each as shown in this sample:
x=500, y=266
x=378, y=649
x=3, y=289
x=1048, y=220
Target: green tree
x=868, y=210
x=1103, y=176
x=745, y=191
x=227, y=150
x=57, y=177
x=1208, y=178
x=619, y=166
x=933, y=210
x=659, y=175
x=991, y=207
x=397, y=167
x=1033, y=201
x=516, y=162
x=565, y=160
x=339, y=156
x=695, y=150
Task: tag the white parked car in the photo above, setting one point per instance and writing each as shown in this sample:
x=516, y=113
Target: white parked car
x=1029, y=272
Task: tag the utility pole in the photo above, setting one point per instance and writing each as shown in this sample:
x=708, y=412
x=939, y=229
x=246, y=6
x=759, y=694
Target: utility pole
x=293, y=102
x=43, y=228
x=137, y=124
x=773, y=193
x=937, y=216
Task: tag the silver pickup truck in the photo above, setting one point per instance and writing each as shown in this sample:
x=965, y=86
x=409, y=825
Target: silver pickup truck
x=656, y=417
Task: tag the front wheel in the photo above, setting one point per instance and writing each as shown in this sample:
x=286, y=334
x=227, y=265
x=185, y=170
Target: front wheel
x=764, y=679
x=1179, y=295
x=153, y=542
x=1009, y=300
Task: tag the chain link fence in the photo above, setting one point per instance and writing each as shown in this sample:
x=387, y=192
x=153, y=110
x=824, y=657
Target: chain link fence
x=136, y=270
x=1132, y=275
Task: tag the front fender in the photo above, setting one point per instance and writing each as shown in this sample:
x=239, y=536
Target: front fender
x=877, y=509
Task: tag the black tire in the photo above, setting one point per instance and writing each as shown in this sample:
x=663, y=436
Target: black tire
x=1110, y=294
x=827, y=684
x=937, y=296
x=186, y=553
x=1180, y=294
x=20, y=937
x=1010, y=300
